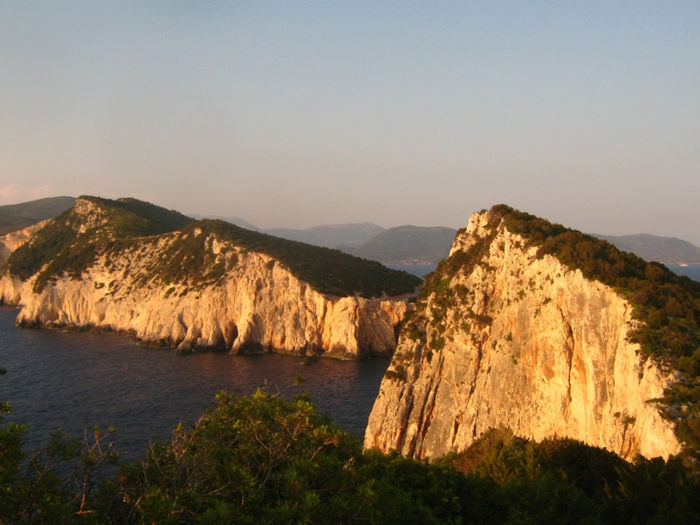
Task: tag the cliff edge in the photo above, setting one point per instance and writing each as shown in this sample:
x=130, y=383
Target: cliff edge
x=548, y=332
x=131, y=266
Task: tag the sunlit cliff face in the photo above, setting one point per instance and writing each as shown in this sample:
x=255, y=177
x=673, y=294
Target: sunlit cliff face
x=520, y=342
x=190, y=288
x=258, y=305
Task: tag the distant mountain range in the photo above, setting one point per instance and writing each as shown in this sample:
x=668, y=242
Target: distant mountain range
x=401, y=246
x=332, y=236
x=424, y=246
x=236, y=221
x=408, y=245
x=17, y=216
x=655, y=248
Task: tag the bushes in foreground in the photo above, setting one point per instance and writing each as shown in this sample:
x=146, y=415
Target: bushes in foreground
x=261, y=459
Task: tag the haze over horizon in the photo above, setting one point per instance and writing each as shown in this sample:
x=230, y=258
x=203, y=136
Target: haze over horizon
x=294, y=114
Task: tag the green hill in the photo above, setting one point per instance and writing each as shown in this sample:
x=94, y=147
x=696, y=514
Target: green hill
x=17, y=216
x=328, y=270
x=65, y=248
x=330, y=236
x=73, y=241
x=408, y=245
x=655, y=248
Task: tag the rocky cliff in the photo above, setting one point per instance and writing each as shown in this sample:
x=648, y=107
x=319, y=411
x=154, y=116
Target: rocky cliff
x=13, y=240
x=205, y=285
x=505, y=334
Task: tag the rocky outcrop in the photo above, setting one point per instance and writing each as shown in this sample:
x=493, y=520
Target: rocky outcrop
x=13, y=240
x=248, y=301
x=518, y=340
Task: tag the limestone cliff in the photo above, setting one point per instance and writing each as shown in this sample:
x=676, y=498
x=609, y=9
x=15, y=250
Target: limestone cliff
x=505, y=335
x=201, y=286
x=13, y=240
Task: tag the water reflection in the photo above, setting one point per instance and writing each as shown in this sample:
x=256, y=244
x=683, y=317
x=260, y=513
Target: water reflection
x=76, y=379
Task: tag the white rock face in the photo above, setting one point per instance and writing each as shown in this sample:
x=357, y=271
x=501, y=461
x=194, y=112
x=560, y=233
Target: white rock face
x=552, y=360
x=259, y=305
x=13, y=240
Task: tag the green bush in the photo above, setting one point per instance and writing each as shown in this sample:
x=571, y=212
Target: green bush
x=261, y=459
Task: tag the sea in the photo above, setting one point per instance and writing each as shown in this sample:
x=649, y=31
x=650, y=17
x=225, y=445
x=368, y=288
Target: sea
x=75, y=381
x=689, y=270
x=419, y=270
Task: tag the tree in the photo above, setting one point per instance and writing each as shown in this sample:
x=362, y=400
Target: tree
x=54, y=484
x=252, y=459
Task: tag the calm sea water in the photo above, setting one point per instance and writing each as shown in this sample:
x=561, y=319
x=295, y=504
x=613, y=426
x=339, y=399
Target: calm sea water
x=692, y=270
x=77, y=380
x=419, y=270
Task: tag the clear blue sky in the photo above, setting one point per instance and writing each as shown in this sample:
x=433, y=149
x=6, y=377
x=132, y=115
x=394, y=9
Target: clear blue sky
x=302, y=113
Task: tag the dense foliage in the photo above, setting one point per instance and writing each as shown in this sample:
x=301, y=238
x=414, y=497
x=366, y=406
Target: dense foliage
x=565, y=481
x=261, y=459
x=68, y=246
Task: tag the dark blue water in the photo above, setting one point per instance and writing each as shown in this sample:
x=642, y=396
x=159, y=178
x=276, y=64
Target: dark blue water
x=419, y=270
x=692, y=270
x=73, y=380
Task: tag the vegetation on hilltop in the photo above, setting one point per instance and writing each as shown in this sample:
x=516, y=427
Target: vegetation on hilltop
x=666, y=305
x=187, y=259
x=161, y=219
x=261, y=459
x=63, y=249
x=327, y=270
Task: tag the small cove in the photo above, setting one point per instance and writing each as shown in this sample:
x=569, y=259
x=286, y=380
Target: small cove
x=77, y=380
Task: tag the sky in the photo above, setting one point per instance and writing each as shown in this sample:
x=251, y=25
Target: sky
x=303, y=113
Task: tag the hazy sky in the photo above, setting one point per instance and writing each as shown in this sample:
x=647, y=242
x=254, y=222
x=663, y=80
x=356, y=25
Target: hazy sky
x=302, y=113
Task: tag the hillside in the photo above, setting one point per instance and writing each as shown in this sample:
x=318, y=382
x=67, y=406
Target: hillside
x=17, y=216
x=655, y=248
x=330, y=236
x=71, y=242
x=131, y=266
x=545, y=331
x=406, y=245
